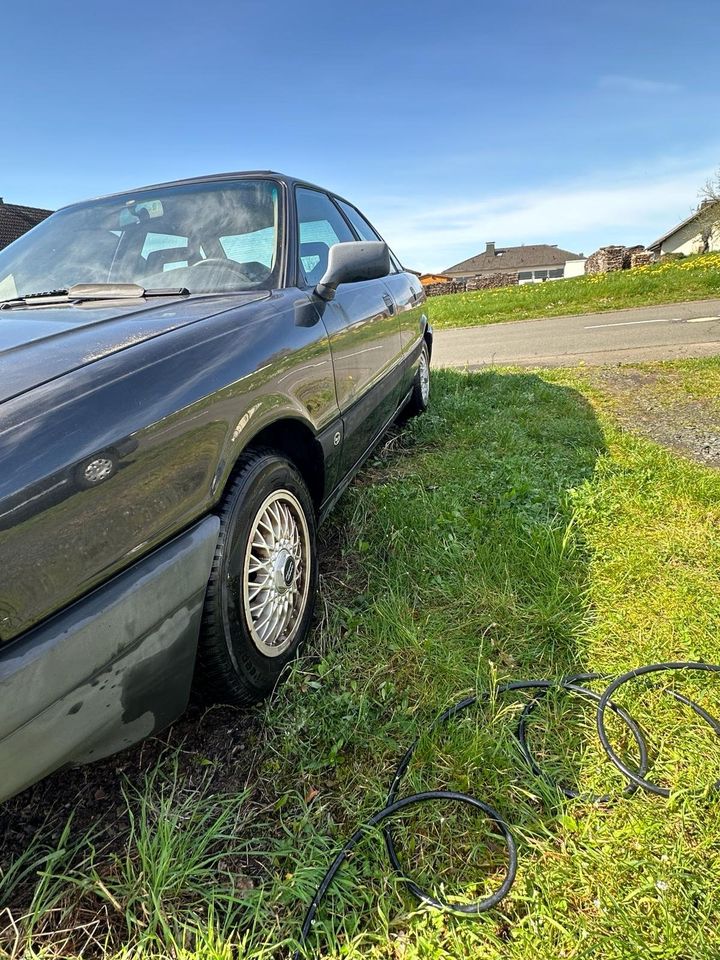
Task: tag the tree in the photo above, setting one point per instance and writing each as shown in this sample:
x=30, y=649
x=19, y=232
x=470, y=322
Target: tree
x=709, y=211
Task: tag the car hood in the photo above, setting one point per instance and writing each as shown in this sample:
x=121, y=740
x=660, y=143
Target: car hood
x=38, y=344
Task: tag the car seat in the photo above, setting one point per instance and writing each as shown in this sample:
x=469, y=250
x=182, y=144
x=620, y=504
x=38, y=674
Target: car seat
x=314, y=259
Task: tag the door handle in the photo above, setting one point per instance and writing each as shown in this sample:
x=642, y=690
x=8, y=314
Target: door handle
x=389, y=303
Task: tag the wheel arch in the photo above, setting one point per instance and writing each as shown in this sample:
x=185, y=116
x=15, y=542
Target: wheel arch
x=428, y=337
x=294, y=439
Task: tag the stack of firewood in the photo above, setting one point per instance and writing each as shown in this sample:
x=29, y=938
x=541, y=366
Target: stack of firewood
x=450, y=286
x=630, y=253
x=606, y=259
x=641, y=257
x=489, y=281
x=483, y=282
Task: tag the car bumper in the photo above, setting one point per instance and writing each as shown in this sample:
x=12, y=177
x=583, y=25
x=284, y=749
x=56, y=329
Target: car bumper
x=108, y=671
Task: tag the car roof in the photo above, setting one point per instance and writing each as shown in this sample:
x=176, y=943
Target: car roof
x=211, y=178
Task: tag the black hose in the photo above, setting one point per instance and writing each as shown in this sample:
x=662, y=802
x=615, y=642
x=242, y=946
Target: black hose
x=632, y=726
x=393, y=808
x=636, y=779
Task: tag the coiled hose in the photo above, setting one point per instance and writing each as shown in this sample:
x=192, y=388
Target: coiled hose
x=636, y=778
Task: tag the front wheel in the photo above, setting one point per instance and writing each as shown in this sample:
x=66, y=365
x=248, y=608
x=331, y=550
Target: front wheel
x=261, y=593
x=420, y=396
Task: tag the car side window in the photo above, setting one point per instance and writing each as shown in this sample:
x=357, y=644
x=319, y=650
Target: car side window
x=358, y=221
x=395, y=265
x=320, y=226
x=365, y=231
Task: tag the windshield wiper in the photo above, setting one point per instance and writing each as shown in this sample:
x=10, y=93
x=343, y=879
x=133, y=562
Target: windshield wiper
x=51, y=296
x=80, y=292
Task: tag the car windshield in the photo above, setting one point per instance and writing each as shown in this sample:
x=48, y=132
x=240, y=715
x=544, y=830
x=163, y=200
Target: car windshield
x=207, y=237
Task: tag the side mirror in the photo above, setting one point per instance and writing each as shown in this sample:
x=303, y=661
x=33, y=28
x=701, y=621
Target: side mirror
x=352, y=262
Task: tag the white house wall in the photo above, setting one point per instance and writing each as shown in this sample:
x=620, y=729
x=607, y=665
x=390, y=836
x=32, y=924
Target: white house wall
x=687, y=240
x=574, y=268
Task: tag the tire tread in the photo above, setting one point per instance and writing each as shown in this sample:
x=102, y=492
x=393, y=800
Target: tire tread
x=214, y=681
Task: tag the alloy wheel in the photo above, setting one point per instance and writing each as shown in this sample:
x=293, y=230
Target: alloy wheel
x=275, y=573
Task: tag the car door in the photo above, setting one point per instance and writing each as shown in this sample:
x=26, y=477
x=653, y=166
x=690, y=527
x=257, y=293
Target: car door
x=362, y=325
x=406, y=291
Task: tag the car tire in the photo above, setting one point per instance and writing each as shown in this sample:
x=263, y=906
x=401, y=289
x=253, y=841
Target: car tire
x=261, y=593
x=420, y=396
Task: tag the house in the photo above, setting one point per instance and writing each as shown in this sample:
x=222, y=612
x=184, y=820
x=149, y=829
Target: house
x=16, y=220
x=532, y=262
x=426, y=279
x=700, y=233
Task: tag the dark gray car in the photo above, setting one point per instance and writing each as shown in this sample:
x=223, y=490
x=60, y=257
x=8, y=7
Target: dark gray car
x=190, y=374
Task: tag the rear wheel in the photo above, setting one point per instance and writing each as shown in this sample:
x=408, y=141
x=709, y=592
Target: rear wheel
x=420, y=397
x=261, y=592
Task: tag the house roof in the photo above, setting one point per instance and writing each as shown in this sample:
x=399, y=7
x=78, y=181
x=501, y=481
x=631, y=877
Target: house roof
x=655, y=246
x=16, y=220
x=515, y=258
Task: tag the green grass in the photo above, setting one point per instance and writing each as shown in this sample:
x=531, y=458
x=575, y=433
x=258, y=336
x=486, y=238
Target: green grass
x=514, y=531
x=672, y=281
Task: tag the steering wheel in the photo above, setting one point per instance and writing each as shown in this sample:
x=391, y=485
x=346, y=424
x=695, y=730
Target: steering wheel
x=225, y=264
x=257, y=272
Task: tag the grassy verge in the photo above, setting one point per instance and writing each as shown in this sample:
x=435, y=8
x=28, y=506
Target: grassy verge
x=514, y=531
x=695, y=278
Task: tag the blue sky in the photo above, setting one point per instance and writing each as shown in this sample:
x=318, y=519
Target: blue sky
x=448, y=124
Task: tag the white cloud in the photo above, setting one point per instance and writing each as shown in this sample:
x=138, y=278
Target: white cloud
x=637, y=85
x=579, y=216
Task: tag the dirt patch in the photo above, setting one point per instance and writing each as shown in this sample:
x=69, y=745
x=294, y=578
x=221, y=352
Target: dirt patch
x=220, y=739
x=659, y=406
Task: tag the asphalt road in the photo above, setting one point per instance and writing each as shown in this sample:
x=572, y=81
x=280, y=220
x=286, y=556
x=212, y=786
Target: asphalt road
x=643, y=333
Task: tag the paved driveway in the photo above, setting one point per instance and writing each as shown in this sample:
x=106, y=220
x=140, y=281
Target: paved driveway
x=643, y=333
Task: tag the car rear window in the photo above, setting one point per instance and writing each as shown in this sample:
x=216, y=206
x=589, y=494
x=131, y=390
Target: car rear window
x=257, y=247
